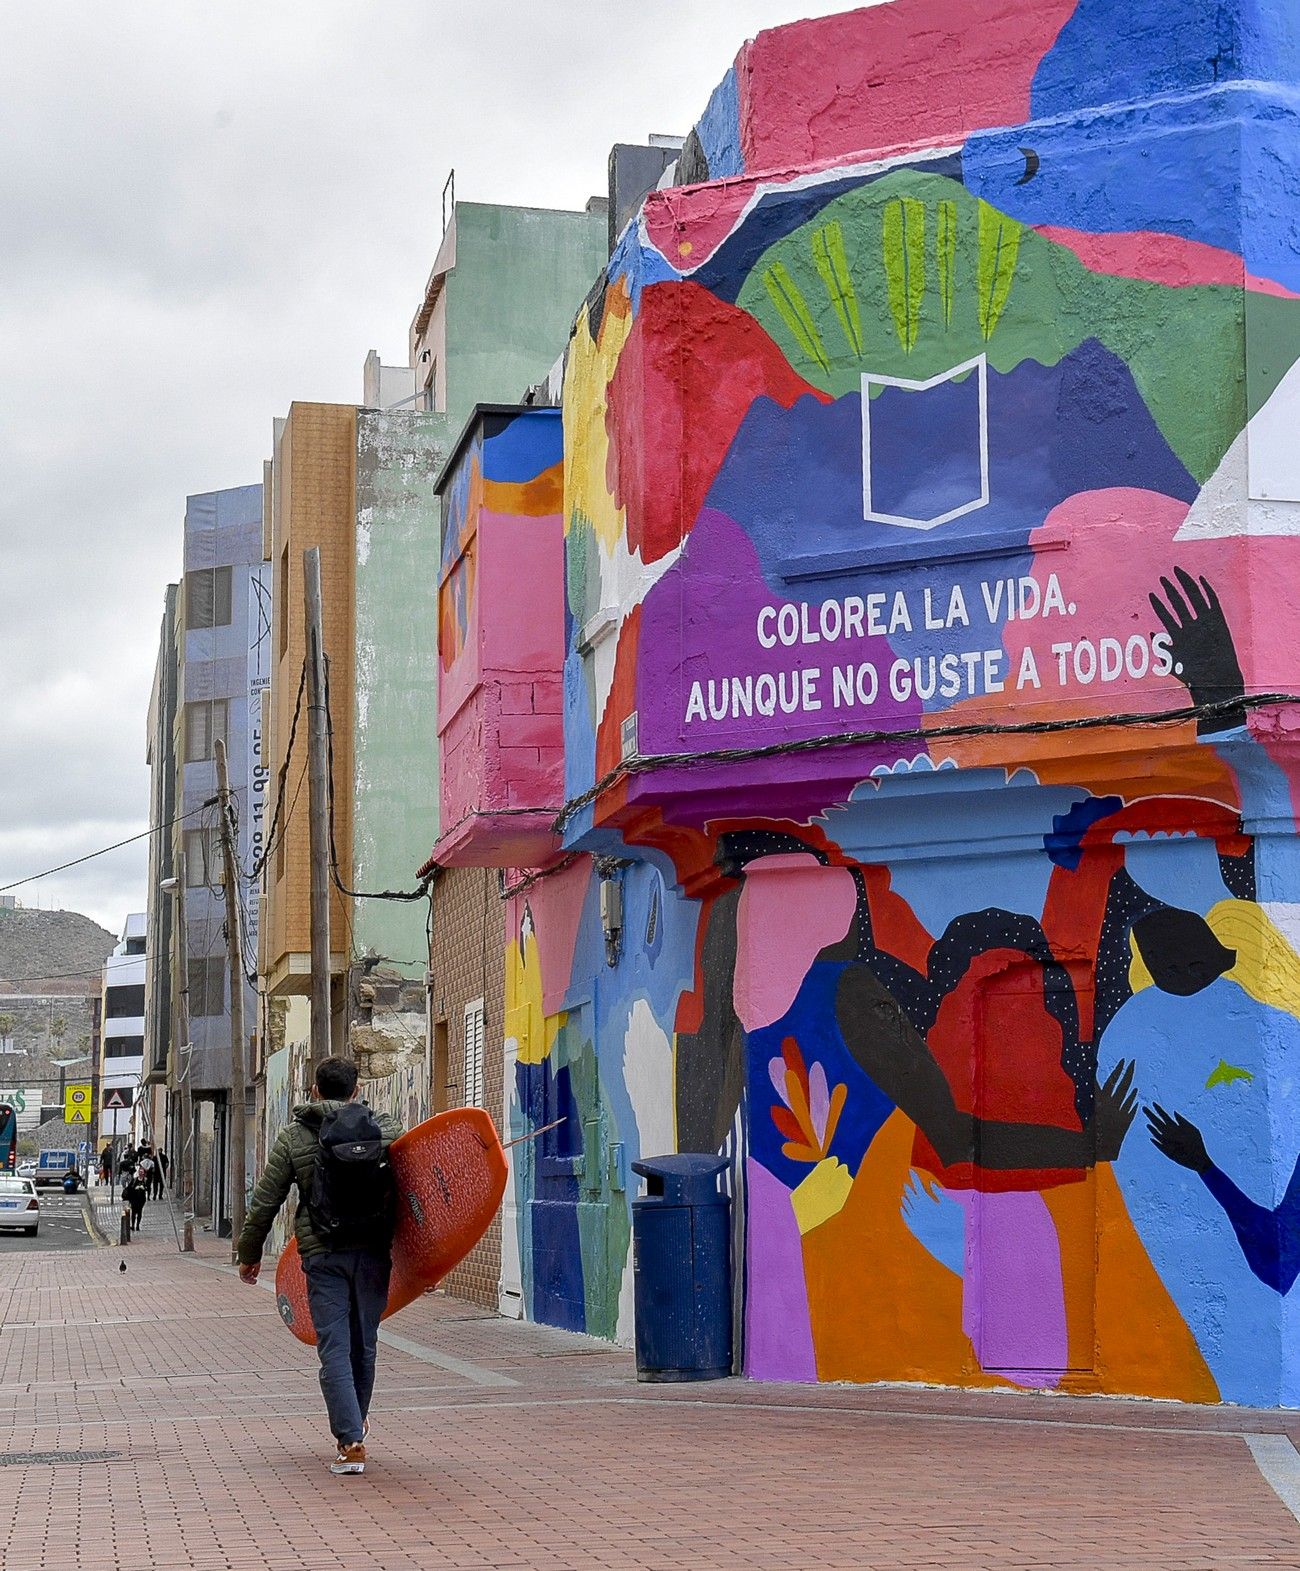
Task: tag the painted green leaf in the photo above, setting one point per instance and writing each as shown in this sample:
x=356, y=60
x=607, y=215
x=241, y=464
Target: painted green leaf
x=789, y=301
x=1225, y=1074
x=904, y=248
x=832, y=264
x=999, y=243
x=945, y=245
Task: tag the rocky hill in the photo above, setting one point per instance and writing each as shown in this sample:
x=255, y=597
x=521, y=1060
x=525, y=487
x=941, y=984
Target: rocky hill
x=39, y=948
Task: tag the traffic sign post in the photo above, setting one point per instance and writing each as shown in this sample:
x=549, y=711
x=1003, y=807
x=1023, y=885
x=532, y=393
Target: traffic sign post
x=76, y=1105
x=120, y=1099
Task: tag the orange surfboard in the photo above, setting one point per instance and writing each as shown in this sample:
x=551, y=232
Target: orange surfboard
x=450, y=1173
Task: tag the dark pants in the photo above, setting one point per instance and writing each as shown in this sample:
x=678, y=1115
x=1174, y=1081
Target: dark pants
x=346, y=1291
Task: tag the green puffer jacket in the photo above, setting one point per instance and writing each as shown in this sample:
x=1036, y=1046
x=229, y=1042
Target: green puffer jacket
x=292, y=1160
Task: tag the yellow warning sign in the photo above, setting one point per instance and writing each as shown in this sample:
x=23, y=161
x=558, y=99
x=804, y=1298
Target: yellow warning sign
x=76, y=1105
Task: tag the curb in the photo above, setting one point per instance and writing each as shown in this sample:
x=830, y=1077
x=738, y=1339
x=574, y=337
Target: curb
x=105, y=1241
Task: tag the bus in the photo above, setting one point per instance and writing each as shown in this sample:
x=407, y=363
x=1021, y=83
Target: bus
x=8, y=1138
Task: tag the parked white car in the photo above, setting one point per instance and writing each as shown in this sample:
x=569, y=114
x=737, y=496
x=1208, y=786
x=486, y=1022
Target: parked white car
x=20, y=1206
x=27, y=1169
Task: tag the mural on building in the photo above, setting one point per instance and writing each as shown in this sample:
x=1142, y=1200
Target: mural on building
x=930, y=522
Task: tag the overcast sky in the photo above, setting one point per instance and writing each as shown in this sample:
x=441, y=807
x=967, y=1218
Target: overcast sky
x=205, y=212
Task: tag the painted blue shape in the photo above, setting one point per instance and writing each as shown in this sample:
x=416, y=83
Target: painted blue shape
x=792, y=480
x=778, y=210
x=552, y=1215
x=899, y=809
x=1064, y=845
x=718, y=129
x=925, y=458
x=1120, y=173
x=937, y=1222
x=1111, y=50
x=519, y=449
x=1182, y=872
x=1252, y=1132
x=1266, y=812
x=811, y=1021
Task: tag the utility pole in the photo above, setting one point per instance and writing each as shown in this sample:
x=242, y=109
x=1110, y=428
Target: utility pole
x=182, y=1052
x=318, y=808
x=235, y=951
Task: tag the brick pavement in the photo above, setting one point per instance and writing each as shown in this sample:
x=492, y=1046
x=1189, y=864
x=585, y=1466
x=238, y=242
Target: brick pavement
x=497, y=1445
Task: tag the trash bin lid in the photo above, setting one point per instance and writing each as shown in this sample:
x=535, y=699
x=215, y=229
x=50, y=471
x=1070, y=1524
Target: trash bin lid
x=688, y=1178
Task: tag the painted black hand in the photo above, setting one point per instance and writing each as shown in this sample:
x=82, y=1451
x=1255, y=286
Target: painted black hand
x=1177, y=1138
x=1116, y=1108
x=1201, y=643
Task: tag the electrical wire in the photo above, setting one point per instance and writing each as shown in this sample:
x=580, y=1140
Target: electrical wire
x=117, y=845
x=282, y=781
x=1222, y=709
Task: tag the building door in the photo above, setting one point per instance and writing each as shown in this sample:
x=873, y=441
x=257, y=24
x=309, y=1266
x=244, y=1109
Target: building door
x=1030, y=1288
x=510, y=1292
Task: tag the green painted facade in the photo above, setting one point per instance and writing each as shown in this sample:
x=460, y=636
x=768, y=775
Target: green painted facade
x=519, y=277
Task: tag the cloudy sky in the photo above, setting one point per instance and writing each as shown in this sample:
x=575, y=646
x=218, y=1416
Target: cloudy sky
x=205, y=212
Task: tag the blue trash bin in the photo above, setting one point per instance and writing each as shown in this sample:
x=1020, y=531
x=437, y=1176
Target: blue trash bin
x=681, y=1254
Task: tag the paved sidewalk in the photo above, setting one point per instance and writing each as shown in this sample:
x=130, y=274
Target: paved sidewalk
x=499, y=1445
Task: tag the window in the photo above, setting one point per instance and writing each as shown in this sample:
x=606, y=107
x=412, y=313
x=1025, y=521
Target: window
x=123, y=1047
x=124, y=1003
x=207, y=987
x=203, y=865
x=207, y=598
x=205, y=721
x=135, y=946
x=472, y=1078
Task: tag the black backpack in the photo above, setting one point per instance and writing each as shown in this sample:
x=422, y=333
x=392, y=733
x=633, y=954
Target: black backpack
x=352, y=1195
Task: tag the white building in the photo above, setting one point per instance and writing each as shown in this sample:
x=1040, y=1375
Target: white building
x=122, y=1051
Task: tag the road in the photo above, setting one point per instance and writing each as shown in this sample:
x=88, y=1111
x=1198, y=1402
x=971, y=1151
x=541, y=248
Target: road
x=63, y=1227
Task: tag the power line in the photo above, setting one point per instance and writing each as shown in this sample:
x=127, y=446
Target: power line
x=282, y=781
x=1227, y=709
x=90, y=856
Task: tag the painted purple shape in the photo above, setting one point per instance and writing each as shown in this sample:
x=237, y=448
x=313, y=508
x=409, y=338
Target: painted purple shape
x=819, y=1099
x=1013, y=1301
x=776, y=1072
x=684, y=639
x=778, y=1328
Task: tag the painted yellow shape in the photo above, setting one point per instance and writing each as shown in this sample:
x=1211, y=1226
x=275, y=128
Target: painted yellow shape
x=1266, y=967
x=587, y=375
x=822, y=1194
x=534, y=1031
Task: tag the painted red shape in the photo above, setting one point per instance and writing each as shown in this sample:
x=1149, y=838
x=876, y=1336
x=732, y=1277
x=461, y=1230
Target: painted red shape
x=451, y=1175
x=831, y=86
x=1162, y=259
x=689, y=351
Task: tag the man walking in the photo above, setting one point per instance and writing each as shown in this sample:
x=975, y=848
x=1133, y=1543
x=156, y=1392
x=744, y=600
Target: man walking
x=335, y=1150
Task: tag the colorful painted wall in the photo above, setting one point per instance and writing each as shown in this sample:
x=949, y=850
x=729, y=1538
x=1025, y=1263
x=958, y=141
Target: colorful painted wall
x=931, y=506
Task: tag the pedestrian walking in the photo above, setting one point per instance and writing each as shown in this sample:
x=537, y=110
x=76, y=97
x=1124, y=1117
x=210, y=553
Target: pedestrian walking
x=135, y=1194
x=335, y=1150
x=106, y=1165
x=144, y=1169
x=156, y=1177
x=164, y=1165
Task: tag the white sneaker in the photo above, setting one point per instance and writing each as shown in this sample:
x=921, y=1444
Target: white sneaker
x=351, y=1459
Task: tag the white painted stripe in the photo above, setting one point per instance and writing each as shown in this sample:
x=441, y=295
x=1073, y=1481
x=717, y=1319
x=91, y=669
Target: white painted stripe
x=1279, y=1462
x=456, y=1366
